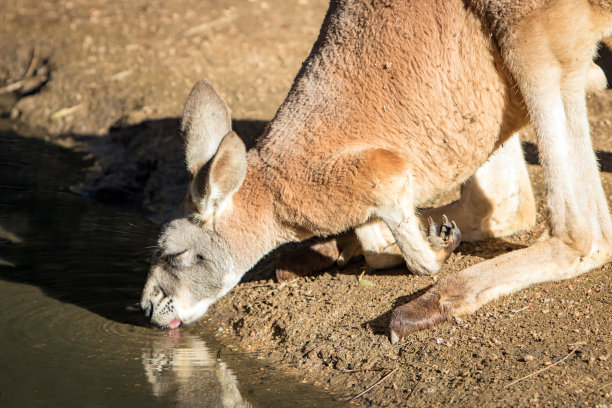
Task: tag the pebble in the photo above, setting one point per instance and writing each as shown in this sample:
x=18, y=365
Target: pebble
x=14, y=114
x=527, y=357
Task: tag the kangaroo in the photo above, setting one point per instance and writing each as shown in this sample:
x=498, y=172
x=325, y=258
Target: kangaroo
x=178, y=366
x=398, y=102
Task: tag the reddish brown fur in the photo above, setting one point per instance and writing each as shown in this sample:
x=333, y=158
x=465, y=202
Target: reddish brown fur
x=400, y=101
x=405, y=103
x=429, y=115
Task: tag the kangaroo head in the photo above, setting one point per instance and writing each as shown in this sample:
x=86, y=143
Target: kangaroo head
x=193, y=265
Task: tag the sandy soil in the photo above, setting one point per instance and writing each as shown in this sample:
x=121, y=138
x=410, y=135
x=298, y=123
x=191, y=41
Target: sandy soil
x=112, y=80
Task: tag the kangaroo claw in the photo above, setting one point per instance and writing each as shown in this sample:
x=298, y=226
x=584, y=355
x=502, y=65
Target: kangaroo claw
x=433, y=228
x=444, y=239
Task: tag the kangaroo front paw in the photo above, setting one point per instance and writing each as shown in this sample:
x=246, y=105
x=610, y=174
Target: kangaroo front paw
x=444, y=239
x=422, y=313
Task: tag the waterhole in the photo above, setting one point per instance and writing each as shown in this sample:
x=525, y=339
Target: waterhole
x=69, y=270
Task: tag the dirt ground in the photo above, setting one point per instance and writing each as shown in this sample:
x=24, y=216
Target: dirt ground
x=111, y=80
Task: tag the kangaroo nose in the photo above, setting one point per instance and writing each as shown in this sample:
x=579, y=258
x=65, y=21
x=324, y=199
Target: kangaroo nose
x=151, y=295
x=148, y=309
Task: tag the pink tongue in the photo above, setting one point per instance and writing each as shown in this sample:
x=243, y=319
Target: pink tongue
x=174, y=324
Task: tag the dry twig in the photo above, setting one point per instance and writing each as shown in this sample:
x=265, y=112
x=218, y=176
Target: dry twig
x=18, y=84
x=67, y=111
x=375, y=384
x=604, y=386
x=280, y=287
x=33, y=62
x=211, y=24
x=543, y=369
x=360, y=370
x=520, y=310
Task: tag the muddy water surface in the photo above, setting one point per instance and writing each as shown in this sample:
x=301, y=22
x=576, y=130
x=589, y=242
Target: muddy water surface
x=69, y=271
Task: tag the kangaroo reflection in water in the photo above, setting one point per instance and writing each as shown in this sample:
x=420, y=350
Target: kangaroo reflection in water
x=181, y=367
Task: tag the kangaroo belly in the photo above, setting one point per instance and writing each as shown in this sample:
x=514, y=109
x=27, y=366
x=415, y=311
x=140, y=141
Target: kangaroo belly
x=438, y=97
x=422, y=79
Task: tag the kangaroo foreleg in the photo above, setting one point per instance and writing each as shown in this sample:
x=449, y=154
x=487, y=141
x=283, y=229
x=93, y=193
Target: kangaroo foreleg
x=496, y=201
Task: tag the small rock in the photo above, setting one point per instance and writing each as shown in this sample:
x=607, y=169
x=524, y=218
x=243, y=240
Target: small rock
x=14, y=114
x=527, y=358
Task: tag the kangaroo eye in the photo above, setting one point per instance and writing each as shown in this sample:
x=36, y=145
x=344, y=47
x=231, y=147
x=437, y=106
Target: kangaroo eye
x=173, y=259
x=201, y=258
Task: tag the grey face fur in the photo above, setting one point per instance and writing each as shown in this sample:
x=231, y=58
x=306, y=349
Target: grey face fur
x=193, y=266
x=185, y=279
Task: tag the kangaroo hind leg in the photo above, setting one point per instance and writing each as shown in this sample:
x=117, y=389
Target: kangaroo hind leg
x=549, y=60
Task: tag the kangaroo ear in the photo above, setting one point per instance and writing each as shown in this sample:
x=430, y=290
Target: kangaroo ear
x=206, y=120
x=215, y=183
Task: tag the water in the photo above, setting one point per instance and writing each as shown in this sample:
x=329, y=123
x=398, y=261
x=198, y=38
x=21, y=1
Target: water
x=69, y=269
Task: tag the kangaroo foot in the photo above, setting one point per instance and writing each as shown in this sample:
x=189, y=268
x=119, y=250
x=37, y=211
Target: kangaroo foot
x=422, y=313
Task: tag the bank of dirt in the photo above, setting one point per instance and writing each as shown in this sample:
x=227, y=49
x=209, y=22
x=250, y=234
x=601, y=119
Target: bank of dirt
x=112, y=80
